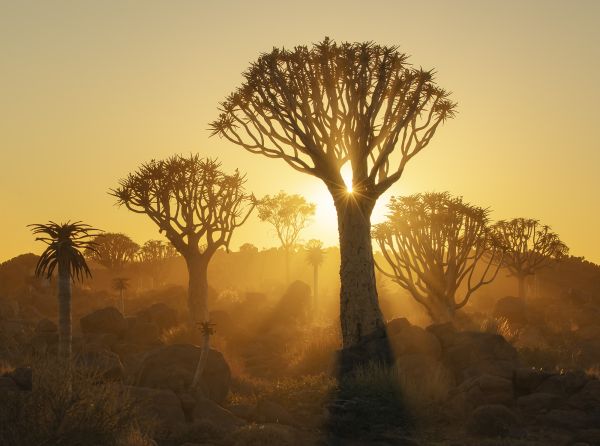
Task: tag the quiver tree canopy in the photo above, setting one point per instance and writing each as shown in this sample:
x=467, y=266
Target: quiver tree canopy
x=439, y=248
x=113, y=250
x=318, y=108
x=529, y=246
x=194, y=204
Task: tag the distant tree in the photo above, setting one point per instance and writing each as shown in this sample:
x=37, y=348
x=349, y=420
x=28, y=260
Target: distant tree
x=65, y=241
x=440, y=249
x=288, y=214
x=121, y=284
x=113, y=250
x=314, y=256
x=197, y=207
x=321, y=107
x=529, y=246
x=154, y=254
x=248, y=248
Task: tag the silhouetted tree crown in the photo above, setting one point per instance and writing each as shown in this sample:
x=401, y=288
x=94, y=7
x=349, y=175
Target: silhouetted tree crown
x=195, y=204
x=65, y=241
x=439, y=248
x=318, y=108
x=156, y=251
x=528, y=245
x=314, y=252
x=113, y=250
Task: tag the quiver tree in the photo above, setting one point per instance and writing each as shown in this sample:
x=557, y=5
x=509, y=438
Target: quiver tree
x=121, y=284
x=529, y=246
x=154, y=254
x=318, y=108
x=288, y=214
x=196, y=206
x=65, y=241
x=439, y=248
x=314, y=257
x=113, y=250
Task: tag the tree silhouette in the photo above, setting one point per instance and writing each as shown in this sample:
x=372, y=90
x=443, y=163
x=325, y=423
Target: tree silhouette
x=113, y=250
x=65, y=241
x=288, y=214
x=196, y=206
x=319, y=108
x=529, y=246
x=440, y=249
x=121, y=284
x=314, y=256
x=153, y=254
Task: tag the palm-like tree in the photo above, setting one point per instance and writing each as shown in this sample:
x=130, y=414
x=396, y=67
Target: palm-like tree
x=65, y=241
x=314, y=256
x=121, y=284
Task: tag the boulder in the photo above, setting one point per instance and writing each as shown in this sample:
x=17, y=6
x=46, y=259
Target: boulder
x=159, y=406
x=572, y=419
x=487, y=389
x=105, y=320
x=105, y=362
x=588, y=398
x=412, y=339
x=418, y=364
x=564, y=383
x=161, y=315
x=470, y=354
x=531, y=337
x=206, y=409
x=526, y=380
x=492, y=421
x=45, y=326
x=538, y=402
x=395, y=326
x=173, y=367
x=23, y=377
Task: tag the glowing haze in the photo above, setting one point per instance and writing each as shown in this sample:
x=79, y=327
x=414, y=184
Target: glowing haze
x=89, y=90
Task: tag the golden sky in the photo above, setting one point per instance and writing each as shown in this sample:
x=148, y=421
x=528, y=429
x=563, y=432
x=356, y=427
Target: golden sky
x=90, y=89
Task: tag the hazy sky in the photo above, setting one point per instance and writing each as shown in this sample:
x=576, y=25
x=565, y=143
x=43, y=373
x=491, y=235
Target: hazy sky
x=90, y=89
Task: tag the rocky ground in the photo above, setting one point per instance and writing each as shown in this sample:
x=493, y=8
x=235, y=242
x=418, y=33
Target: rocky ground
x=448, y=387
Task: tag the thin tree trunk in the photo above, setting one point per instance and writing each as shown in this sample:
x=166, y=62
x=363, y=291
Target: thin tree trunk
x=197, y=289
x=360, y=314
x=287, y=265
x=315, y=288
x=64, y=311
x=198, y=306
x=122, y=302
x=522, y=290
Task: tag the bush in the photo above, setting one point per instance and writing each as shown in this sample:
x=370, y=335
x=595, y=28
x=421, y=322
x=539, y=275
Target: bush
x=54, y=412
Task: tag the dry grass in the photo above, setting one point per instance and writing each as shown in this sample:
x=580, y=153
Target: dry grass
x=260, y=435
x=87, y=412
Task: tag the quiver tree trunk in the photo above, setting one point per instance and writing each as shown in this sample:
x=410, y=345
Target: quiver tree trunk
x=360, y=315
x=197, y=289
x=64, y=310
x=316, y=288
x=522, y=286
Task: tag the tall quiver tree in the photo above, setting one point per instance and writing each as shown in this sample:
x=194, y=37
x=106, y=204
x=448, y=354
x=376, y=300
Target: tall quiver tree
x=529, y=246
x=438, y=248
x=321, y=107
x=65, y=241
x=314, y=257
x=196, y=206
x=288, y=214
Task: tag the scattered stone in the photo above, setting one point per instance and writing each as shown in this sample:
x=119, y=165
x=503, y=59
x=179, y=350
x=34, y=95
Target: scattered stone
x=142, y=332
x=107, y=363
x=567, y=418
x=412, y=339
x=105, y=320
x=206, y=409
x=564, y=384
x=161, y=315
x=173, y=367
x=160, y=406
x=395, y=326
x=487, y=390
x=492, y=421
x=526, y=380
x=23, y=377
x=538, y=402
